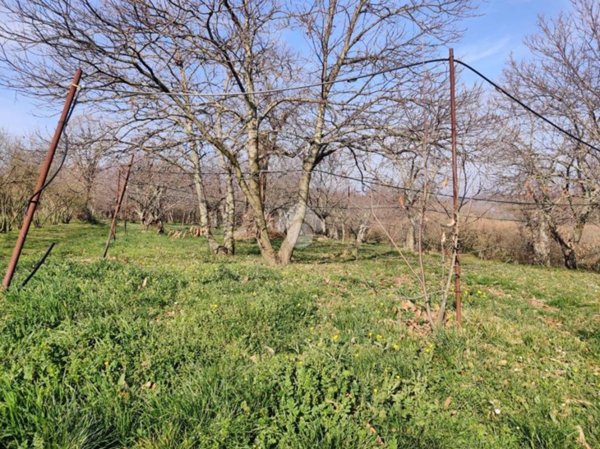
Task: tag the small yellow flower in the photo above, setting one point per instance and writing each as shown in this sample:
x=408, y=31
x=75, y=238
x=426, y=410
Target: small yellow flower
x=396, y=347
x=336, y=337
x=379, y=337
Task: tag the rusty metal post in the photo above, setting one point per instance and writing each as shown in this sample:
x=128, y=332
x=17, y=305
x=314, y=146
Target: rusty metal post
x=39, y=186
x=113, y=225
x=118, y=191
x=117, y=195
x=455, y=205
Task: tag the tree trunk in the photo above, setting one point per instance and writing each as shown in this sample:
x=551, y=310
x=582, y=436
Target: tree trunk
x=570, y=257
x=160, y=227
x=87, y=214
x=291, y=237
x=262, y=233
x=252, y=190
x=541, y=242
x=203, y=218
x=205, y=226
x=567, y=247
x=334, y=232
x=362, y=233
x=324, y=228
x=411, y=235
x=229, y=218
x=293, y=232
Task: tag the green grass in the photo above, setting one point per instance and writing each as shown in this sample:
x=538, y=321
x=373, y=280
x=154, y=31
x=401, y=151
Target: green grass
x=165, y=346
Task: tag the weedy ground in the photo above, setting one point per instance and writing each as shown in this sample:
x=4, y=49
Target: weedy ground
x=165, y=346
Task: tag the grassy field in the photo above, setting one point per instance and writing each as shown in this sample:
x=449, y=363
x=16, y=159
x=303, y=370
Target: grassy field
x=165, y=346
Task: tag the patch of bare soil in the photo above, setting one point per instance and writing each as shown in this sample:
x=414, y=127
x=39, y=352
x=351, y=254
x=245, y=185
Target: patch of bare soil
x=536, y=303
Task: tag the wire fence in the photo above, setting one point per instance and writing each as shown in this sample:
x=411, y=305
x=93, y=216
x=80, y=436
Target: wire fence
x=371, y=181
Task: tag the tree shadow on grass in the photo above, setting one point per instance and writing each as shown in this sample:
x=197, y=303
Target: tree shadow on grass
x=336, y=252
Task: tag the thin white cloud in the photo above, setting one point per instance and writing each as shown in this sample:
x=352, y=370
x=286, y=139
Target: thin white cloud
x=485, y=49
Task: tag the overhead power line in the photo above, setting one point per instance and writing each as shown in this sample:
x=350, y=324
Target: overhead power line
x=342, y=207
x=349, y=79
x=445, y=195
x=526, y=107
x=367, y=180
x=354, y=78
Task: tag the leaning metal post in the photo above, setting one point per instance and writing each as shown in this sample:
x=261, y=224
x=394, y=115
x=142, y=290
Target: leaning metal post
x=113, y=225
x=117, y=194
x=40, y=184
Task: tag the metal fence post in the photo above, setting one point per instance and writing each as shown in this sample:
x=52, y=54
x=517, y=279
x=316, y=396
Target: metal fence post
x=457, y=293
x=40, y=184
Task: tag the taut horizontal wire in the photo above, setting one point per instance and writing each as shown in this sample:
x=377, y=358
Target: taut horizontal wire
x=372, y=181
x=356, y=78
x=349, y=79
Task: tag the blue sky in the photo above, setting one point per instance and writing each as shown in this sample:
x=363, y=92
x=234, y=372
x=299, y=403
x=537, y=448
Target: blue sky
x=499, y=29
x=489, y=39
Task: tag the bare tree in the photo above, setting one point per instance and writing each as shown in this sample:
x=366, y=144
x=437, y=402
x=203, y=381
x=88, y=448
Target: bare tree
x=351, y=37
x=562, y=80
x=17, y=178
x=90, y=141
x=171, y=59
